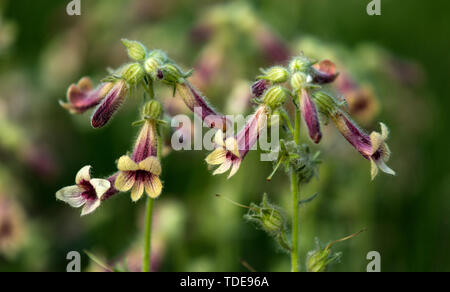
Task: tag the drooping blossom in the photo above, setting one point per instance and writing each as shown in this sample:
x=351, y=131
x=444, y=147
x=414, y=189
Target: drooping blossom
x=231, y=151
x=324, y=72
x=372, y=147
x=309, y=113
x=259, y=87
x=141, y=171
x=198, y=104
x=87, y=192
x=110, y=104
x=83, y=96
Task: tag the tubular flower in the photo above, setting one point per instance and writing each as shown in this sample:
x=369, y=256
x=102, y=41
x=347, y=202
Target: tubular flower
x=88, y=192
x=231, y=151
x=83, y=96
x=373, y=147
x=141, y=171
x=309, y=112
x=197, y=103
x=111, y=103
x=324, y=72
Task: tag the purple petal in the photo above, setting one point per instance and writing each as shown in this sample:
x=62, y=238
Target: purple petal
x=259, y=87
x=110, y=105
x=82, y=96
x=354, y=135
x=249, y=135
x=310, y=116
x=146, y=143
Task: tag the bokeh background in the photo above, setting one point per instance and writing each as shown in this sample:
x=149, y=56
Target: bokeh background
x=398, y=63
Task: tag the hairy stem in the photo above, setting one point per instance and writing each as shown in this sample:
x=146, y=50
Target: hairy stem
x=295, y=200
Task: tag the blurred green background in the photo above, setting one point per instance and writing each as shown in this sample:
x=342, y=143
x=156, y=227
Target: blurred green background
x=401, y=55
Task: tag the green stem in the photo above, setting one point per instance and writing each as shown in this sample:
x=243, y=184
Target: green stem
x=146, y=263
x=295, y=200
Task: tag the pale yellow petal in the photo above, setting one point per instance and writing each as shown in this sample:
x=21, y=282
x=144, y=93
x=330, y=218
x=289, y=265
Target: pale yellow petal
x=153, y=187
x=125, y=163
x=72, y=196
x=235, y=168
x=125, y=181
x=223, y=168
x=151, y=164
x=384, y=131
x=232, y=146
x=376, y=140
x=138, y=190
x=101, y=186
x=373, y=169
x=83, y=174
x=219, y=138
x=216, y=157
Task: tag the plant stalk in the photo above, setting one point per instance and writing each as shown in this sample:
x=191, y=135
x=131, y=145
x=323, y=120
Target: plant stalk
x=295, y=200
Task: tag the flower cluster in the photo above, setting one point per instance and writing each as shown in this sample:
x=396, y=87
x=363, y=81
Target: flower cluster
x=140, y=171
x=306, y=80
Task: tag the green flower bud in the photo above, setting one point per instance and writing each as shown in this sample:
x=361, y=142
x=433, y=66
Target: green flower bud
x=269, y=217
x=298, y=81
x=318, y=261
x=152, y=109
x=326, y=104
x=170, y=74
x=276, y=74
x=275, y=97
x=136, y=50
x=300, y=63
x=133, y=73
x=156, y=58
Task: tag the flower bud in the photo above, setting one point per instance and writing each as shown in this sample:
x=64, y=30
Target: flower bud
x=276, y=74
x=318, y=260
x=269, y=217
x=152, y=109
x=170, y=74
x=136, y=50
x=300, y=63
x=156, y=58
x=275, y=97
x=133, y=73
x=259, y=87
x=298, y=81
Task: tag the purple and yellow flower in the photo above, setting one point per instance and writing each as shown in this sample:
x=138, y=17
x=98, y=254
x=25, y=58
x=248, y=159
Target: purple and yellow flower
x=231, y=151
x=198, y=104
x=309, y=112
x=373, y=147
x=83, y=96
x=141, y=171
x=110, y=104
x=87, y=192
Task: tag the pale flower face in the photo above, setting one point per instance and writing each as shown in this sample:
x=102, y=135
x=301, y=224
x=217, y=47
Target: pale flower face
x=87, y=192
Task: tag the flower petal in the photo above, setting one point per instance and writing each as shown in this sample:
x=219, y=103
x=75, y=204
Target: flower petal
x=373, y=169
x=83, y=174
x=72, y=196
x=219, y=138
x=232, y=146
x=223, y=168
x=90, y=207
x=101, y=186
x=153, y=186
x=384, y=131
x=110, y=104
x=125, y=181
x=309, y=112
x=376, y=139
x=216, y=157
x=125, y=163
x=138, y=190
x=151, y=164
x=235, y=168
